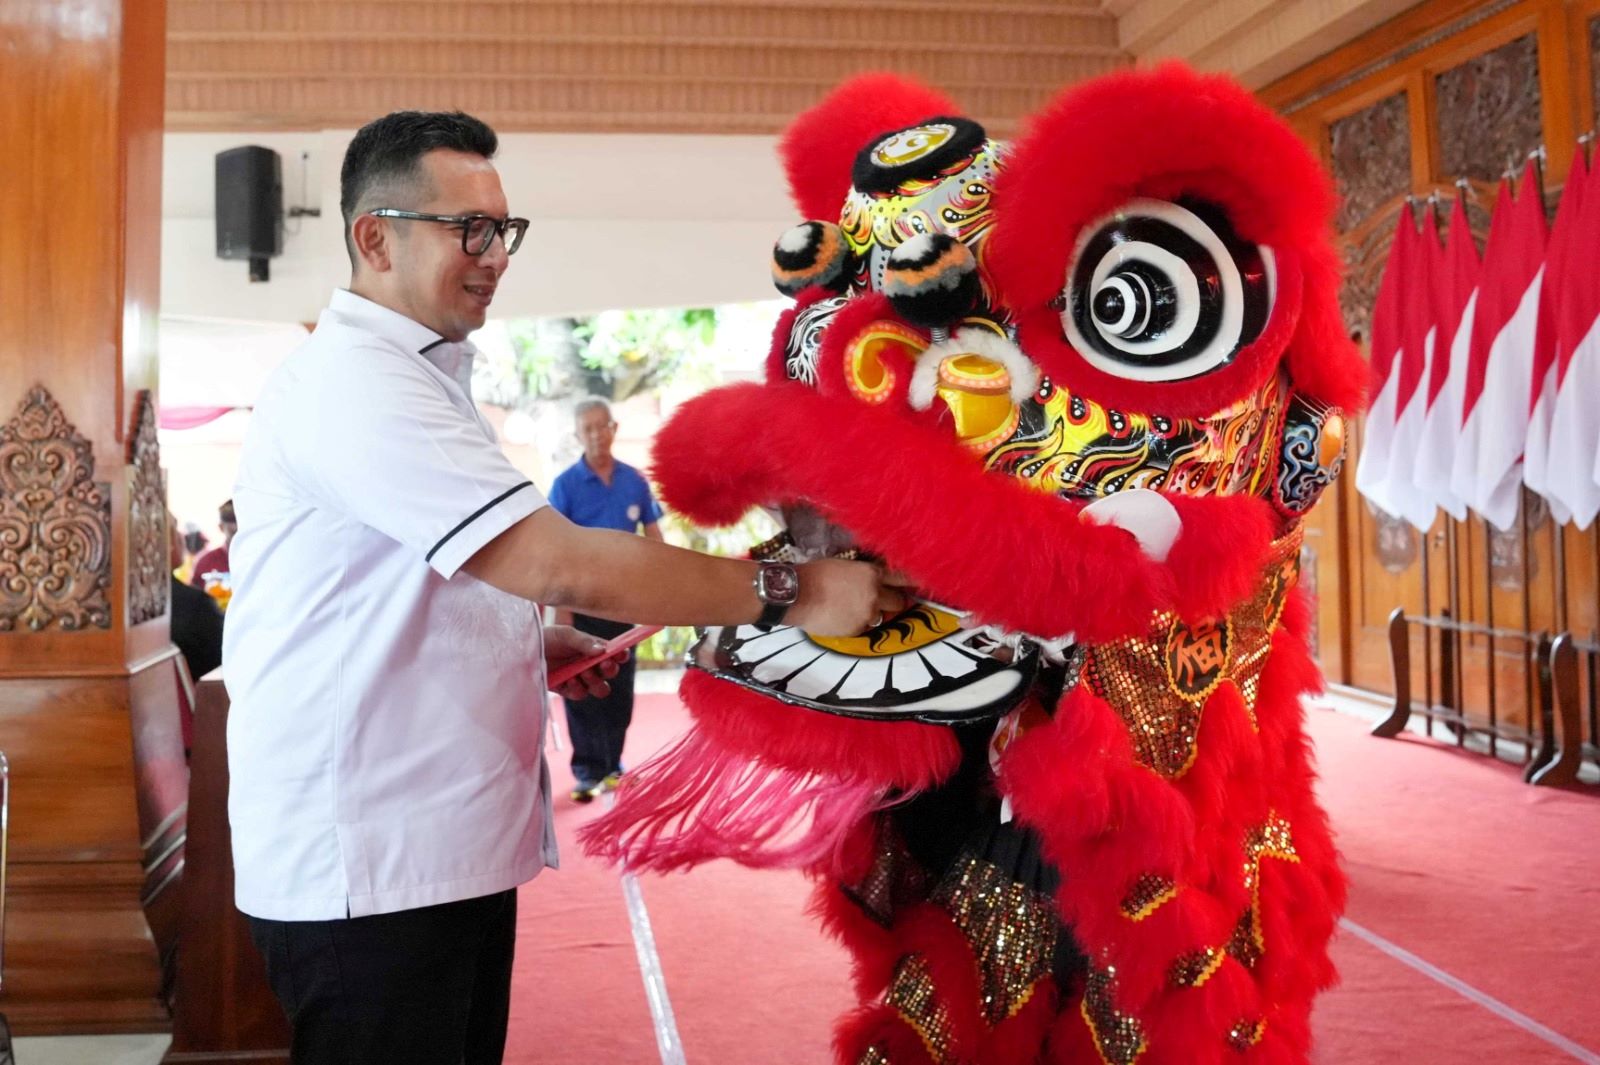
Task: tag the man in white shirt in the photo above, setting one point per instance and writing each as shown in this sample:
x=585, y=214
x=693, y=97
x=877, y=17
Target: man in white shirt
x=383, y=648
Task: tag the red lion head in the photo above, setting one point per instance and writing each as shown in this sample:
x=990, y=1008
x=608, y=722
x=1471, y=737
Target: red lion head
x=993, y=345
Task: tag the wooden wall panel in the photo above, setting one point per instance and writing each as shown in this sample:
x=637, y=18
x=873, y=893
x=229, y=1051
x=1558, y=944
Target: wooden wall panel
x=1483, y=84
x=79, y=955
x=724, y=66
x=81, y=116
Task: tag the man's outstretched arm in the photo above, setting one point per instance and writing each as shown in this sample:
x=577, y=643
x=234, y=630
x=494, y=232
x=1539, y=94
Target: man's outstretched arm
x=546, y=558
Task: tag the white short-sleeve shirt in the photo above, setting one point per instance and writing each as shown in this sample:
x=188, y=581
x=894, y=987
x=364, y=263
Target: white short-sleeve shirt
x=386, y=733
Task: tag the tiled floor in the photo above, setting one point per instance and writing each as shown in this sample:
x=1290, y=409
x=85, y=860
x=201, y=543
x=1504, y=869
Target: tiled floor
x=92, y=1050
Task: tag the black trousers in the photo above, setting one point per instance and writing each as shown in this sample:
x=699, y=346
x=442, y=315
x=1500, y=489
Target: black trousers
x=598, y=727
x=426, y=987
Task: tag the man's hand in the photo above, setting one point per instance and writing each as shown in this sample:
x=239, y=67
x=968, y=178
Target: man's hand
x=840, y=598
x=564, y=645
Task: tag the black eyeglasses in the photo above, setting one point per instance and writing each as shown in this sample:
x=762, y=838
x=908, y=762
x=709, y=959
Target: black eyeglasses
x=477, y=230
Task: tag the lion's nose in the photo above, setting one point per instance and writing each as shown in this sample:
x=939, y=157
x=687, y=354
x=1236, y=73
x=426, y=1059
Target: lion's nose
x=977, y=392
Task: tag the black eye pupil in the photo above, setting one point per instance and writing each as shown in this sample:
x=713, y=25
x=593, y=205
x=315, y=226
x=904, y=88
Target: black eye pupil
x=1108, y=306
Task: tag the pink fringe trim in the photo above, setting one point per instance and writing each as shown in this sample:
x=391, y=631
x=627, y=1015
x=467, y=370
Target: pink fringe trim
x=697, y=801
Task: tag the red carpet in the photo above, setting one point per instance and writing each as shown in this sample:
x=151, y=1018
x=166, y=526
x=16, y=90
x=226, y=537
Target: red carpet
x=1451, y=858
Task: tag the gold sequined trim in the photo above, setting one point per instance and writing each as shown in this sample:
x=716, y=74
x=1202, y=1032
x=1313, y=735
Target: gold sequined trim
x=1158, y=681
x=912, y=995
x=1244, y=944
x=1118, y=1037
x=891, y=882
x=873, y=1055
x=1270, y=840
x=1257, y=620
x=778, y=549
x=1148, y=894
x=1273, y=839
x=1012, y=930
x=1195, y=968
x=1246, y=1034
x=781, y=548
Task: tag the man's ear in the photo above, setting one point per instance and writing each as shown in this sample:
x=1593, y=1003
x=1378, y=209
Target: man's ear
x=372, y=240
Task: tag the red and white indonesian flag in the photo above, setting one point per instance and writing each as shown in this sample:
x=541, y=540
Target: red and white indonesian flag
x=1495, y=405
x=1571, y=471
x=1387, y=339
x=1455, y=304
x=1419, y=317
x=1562, y=262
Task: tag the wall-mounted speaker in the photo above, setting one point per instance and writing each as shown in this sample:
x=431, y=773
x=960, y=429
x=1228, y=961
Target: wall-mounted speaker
x=250, y=207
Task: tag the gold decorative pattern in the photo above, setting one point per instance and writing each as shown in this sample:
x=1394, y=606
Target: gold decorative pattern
x=1148, y=894
x=1162, y=707
x=893, y=880
x=1195, y=968
x=1258, y=619
x=1246, y=1034
x=149, y=581
x=55, y=524
x=1273, y=839
x=913, y=996
x=873, y=1055
x=1270, y=840
x=1244, y=945
x=1012, y=930
x=1118, y=1037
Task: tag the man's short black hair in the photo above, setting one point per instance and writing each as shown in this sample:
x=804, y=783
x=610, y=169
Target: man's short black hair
x=386, y=155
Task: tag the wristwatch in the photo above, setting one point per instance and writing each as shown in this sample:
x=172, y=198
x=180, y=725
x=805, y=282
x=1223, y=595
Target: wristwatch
x=777, y=586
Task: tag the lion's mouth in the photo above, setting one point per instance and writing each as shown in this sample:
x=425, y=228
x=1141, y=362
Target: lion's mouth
x=927, y=663
x=946, y=674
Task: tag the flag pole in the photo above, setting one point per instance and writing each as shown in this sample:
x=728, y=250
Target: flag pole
x=1453, y=543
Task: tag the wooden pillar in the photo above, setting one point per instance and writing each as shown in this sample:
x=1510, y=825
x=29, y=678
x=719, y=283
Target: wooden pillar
x=88, y=701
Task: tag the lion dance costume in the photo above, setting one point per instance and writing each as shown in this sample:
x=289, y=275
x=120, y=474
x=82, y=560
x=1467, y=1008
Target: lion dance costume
x=1082, y=388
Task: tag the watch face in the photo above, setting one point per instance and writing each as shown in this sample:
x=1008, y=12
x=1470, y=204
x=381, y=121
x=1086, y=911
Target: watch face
x=779, y=584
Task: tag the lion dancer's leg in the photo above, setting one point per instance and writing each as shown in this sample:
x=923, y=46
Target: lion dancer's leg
x=1139, y=890
x=955, y=970
x=1197, y=871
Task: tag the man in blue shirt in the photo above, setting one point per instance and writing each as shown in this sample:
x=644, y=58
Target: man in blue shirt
x=599, y=492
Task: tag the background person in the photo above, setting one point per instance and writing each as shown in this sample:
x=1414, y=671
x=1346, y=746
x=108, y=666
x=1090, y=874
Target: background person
x=215, y=559
x=601, y=492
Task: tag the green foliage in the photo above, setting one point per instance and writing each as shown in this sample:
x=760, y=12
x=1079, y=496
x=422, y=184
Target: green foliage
x=547, y=356
x=616, y=354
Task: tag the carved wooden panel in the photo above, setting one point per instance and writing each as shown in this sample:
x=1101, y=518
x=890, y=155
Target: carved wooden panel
x=55, y=523
x=1488, y=111
x=1371, y=158
x=1394, y=540
x=1366, y=252
x=149, y=583
x=1370, y=155
x=1594, y=64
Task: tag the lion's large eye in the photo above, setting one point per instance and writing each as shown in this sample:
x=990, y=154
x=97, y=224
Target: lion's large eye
x=1160, y=291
